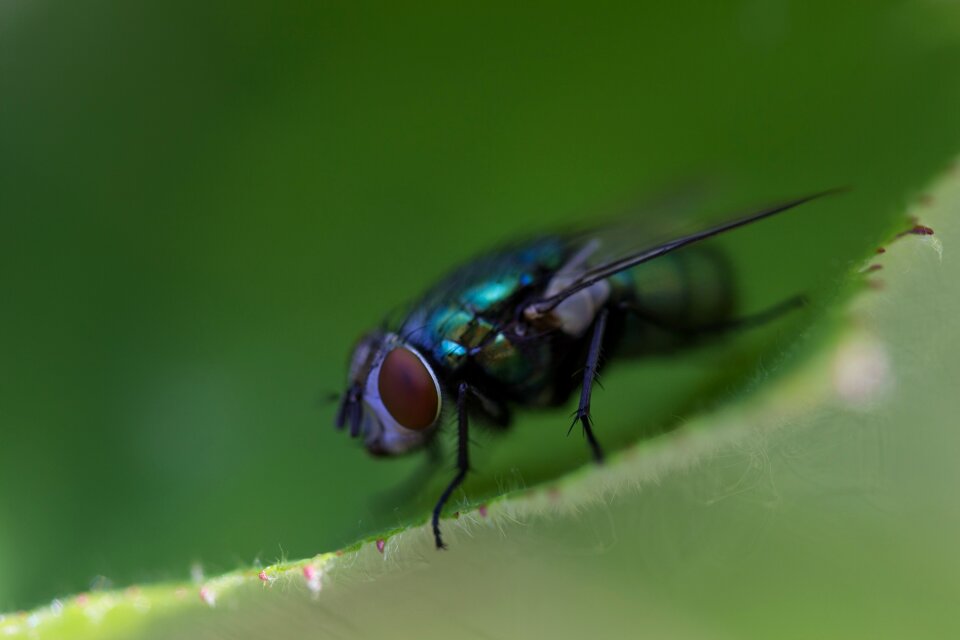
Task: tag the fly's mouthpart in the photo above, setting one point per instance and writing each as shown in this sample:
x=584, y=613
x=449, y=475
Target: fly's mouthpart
x=351, y=410
x=355, y=415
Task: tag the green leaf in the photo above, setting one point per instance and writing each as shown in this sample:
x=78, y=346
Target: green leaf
x=822, y=503
x=204, y=208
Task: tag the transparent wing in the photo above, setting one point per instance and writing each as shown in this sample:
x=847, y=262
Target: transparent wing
x=537, y=257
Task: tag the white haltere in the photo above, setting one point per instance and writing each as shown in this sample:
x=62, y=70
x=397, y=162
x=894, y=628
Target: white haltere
x=576, y=313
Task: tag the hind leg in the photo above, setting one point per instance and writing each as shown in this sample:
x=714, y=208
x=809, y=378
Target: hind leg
x=724, y=326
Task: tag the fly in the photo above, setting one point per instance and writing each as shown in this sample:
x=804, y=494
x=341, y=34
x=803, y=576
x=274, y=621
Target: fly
x=515, y=326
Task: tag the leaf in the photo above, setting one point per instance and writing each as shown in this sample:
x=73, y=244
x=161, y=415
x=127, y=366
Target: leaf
x=821, y=504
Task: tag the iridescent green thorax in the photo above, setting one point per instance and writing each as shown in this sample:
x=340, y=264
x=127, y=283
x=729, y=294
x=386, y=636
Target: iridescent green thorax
x=461, y=332
x=461, y=319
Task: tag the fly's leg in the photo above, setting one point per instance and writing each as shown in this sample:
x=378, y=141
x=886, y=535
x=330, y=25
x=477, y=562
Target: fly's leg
x=463, y=462
x=589, y=376
x=735, y=324
x=757, y=319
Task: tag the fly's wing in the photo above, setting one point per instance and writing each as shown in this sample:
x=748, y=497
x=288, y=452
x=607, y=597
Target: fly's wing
x=625, y=244
x=532, y=261
x=530, y=264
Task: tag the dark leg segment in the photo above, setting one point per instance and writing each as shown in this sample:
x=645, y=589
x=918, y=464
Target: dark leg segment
x=760, y=318
x=589, y=374
x=716, y=328
x=463, y=461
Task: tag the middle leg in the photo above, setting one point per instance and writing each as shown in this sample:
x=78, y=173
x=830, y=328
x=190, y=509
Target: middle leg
x=582, y=414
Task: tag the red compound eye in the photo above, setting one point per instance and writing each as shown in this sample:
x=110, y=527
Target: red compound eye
x=408, y=390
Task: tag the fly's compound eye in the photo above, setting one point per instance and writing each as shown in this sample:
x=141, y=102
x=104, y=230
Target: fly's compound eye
x=408, y=389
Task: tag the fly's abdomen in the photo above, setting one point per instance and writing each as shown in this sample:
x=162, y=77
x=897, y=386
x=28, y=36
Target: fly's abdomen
x=673, y=297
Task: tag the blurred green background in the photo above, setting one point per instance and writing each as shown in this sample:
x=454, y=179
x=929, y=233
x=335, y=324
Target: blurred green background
x=203, y=206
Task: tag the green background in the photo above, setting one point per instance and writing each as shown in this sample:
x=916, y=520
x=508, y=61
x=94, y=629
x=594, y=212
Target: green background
x=203, y=207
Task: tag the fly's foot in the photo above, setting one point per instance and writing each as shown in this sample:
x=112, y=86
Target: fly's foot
x=582, y=415
x=437, y=538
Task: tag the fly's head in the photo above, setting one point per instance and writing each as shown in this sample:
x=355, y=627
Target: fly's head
x=393, y=399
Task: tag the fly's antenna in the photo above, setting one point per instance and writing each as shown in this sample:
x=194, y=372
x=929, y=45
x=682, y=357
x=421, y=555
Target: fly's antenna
x=604, y=271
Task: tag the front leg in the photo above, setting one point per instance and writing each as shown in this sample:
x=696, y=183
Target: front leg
x=463, y=461
x=589, y=375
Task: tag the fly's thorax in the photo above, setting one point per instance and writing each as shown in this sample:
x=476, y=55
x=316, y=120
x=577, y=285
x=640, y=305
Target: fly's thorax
x=399, y=394
x=460, y=339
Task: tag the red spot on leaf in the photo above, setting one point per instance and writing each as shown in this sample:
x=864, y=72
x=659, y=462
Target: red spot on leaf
x=917, y=230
